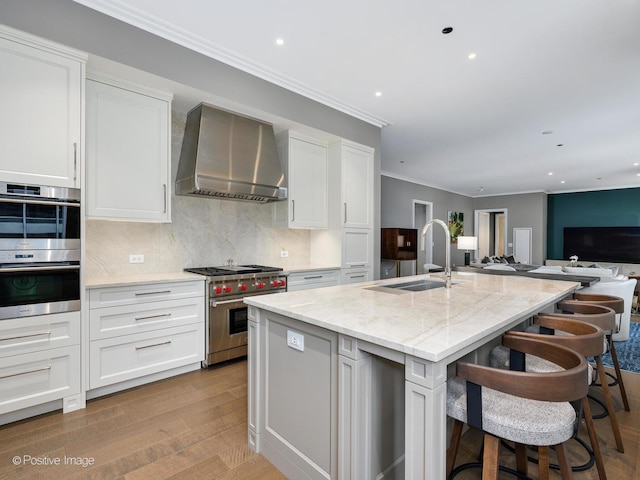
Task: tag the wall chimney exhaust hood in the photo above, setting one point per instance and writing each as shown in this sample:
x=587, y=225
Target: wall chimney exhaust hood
x=229, y=156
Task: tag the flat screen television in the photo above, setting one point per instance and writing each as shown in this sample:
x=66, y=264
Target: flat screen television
x=602, y=244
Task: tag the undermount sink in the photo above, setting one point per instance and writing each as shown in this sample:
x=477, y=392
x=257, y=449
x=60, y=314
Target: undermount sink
x=417, y=285
x=411, y=286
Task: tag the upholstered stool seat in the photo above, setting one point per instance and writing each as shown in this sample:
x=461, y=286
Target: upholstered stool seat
x=545, y=423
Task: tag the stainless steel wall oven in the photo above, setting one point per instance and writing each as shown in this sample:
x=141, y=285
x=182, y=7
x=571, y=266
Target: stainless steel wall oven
x=39, y=250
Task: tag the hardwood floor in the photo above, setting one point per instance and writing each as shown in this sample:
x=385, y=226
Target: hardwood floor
x=194, y=427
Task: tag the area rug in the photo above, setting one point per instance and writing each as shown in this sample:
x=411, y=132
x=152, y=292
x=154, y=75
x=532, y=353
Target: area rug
x=628, y=351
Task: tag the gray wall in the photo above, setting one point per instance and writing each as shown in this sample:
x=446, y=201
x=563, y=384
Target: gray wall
x=72, y=24
x=528, y=210
x=525, y=210
x=397, y=198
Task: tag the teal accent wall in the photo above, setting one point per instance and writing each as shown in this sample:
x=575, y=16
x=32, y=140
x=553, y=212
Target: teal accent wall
x=604, y=208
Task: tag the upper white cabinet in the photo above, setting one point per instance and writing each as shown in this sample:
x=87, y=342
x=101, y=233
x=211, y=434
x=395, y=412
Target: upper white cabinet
x=304, y=161
x=41, y=116
x=357, y=185
x=128, y=130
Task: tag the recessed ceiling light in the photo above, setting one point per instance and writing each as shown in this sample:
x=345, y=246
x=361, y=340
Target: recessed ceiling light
x=547, y=132
x=638, y=174
x=378, y=94
x=636, y=164
x=561, y=181
x=279, y=41
x=550, y=173
x=447, y=30
x=471, y=56
x=401, y=161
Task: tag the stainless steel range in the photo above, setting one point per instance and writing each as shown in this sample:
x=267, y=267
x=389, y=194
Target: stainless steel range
x=227, y=314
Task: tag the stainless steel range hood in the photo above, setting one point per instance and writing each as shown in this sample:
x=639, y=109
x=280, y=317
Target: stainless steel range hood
x=229, y=156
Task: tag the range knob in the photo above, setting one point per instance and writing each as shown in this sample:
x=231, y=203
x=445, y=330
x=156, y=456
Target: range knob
x=283, y=283
x=275, y=284
x=243, y=287
x=227, y=289
x=218, y=290
x=260, y=285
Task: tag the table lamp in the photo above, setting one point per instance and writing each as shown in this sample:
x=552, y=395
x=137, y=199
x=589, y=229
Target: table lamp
x=467, y=243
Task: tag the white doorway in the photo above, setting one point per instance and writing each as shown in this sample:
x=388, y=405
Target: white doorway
x=422, y=213
x=491, y=229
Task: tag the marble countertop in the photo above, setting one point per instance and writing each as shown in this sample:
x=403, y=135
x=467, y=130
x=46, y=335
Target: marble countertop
x=141, y=278
x=430, y=324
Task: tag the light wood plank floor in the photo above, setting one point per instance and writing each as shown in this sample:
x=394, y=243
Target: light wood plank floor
x=194, y=427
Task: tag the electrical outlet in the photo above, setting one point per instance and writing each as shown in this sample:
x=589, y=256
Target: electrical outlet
x=295, y=340
x=138, y=258
x=284, y=253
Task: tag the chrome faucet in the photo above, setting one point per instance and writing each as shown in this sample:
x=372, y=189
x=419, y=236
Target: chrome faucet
x=447, y=255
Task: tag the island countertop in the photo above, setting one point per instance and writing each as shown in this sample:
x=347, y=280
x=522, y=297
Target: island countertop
x=430, y=324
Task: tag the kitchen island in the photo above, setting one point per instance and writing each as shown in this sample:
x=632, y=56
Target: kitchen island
x=349, y=382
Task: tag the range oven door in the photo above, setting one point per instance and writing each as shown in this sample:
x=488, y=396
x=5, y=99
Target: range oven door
x=227, y=330
x=38, y=289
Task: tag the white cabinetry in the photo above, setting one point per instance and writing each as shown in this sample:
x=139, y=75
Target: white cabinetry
x=306, y=279
x=42, y=111
x=143, y=329
x=128, y=151
x=39, y=360
x=349, y=238
x=304, y=161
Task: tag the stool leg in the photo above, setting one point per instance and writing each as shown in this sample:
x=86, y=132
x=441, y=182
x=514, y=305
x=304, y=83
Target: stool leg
x=543, y=463
x=565, y=469
x=595, y=446
x=490, y=457
x=607, y=399
x=454, y=443
x=522, y=462
x=616, y=365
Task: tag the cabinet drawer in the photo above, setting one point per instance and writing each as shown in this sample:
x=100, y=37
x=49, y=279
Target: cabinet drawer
x=312, y=279
x=32, y=334
x=356, y=276
x=40, y=377
x=128, y=319
x=144, y=293
x=114, y=360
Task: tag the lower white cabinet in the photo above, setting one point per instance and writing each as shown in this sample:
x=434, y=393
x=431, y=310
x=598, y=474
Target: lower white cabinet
x=142, y=329
x=306, y=279
x=39, y=360
x=356, y=276
x=35, y=378
x=117, y=359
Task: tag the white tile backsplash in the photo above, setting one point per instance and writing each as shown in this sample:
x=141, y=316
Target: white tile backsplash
x=203, y=232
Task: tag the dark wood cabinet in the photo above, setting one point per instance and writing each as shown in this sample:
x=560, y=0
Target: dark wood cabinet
x=399, y=243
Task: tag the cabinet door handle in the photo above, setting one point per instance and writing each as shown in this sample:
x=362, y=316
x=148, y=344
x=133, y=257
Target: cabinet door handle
x=159, y=292
x=150, y=317
x=293, y=210
x=164, y=189
x=154, y=345
x=41, y=334
x=357, y=265
x=26, y=373
x=75, y=161
x=345, y=212
x=312, y=277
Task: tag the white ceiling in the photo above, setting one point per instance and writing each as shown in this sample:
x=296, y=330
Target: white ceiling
x=473, y=127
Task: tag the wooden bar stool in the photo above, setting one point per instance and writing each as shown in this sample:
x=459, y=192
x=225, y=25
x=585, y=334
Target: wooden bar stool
x=604, y=318
x=584, y=338
x=523, y=407
x=617, y=305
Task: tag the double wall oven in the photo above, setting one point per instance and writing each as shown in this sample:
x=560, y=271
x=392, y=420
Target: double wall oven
x=39, y=250
x=227, y=286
